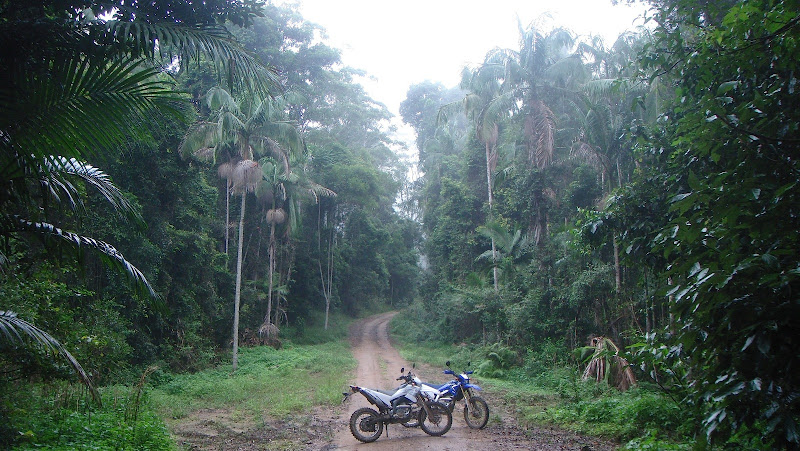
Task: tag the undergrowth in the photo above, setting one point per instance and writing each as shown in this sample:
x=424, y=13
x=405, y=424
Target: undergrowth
x=269, y=382
x=544, y=387
x=61, y=416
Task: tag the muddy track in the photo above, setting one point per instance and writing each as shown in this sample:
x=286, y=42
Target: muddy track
x=379, y=364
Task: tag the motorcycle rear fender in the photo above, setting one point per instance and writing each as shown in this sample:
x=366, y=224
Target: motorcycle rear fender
x=373, y=398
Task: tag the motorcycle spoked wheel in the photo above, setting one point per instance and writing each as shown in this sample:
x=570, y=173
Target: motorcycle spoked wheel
x=439, y=422
x=365, y=426
x=479, y=416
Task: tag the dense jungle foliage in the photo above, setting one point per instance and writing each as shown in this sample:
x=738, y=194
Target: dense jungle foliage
x=177, y=179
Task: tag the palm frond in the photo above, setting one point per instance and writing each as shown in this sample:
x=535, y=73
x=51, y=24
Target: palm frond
x=540, y=134
x=486, y=255
x=79, y=107
x=607, y=87
x=188, y=43
x=449, y=110
x=285, y=132
x=218, y=98
x=567, y=71
x=200, y=135
x=606, y=365
x=108, y=254
x=16, y=331
x=60, y=166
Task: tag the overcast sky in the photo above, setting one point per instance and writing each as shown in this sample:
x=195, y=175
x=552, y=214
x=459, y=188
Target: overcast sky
x=401, y=43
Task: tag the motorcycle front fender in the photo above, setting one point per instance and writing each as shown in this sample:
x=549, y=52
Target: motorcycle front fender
x=472, y=386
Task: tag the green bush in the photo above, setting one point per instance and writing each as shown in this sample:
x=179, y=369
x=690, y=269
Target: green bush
x=497, y=361
x=623, y=416
x=60, y=416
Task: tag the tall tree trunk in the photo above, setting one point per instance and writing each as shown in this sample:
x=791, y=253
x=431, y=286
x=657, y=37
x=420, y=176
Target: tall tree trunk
x=268, y=318
x=288, y=265
x=227, y=215
x=326, y=279
x=617, y=269
x=238, y=296
x=489, y=160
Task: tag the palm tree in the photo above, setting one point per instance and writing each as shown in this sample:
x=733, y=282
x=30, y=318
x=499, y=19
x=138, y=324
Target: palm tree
x=509, y=248
x=242, y=131
x=482, y=107
x=285, y=189
x=544, y=70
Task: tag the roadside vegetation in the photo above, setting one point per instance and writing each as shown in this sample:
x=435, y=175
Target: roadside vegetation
x=62, y=416
x=545, y=386
x=283, y=384
x=275, y=383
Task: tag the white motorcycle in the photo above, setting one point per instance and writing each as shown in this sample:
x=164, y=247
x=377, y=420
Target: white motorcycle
x=403, y=405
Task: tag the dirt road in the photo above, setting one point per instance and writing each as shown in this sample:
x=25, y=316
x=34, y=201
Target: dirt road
x=379, y=364
x=327, y=428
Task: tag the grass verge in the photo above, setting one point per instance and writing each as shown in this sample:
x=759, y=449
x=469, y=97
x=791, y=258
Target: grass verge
x=268, y=382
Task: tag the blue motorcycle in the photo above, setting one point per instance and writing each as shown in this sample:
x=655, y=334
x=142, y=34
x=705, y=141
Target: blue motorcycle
x=476, y=411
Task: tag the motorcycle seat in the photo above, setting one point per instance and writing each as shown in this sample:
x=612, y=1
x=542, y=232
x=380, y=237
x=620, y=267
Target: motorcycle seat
x=386, y=392
x=438, y=387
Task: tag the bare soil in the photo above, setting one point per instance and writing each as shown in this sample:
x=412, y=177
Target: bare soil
x=379, y=364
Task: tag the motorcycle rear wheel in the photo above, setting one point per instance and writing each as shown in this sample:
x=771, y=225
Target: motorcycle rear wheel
x=479, y=416
x=365, y=426
x=439, y=422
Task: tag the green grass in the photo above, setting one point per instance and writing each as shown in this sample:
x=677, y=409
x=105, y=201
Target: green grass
x=268, y=382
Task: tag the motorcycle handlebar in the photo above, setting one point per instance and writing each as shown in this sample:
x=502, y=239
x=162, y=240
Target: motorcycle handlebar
x=409, y=378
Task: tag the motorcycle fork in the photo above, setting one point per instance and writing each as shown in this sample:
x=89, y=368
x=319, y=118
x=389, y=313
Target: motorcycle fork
x=421, y=401
x=467, y=399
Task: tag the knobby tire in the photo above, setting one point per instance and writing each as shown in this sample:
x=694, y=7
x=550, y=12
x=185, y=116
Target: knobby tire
x=362, y=428
x=480, y=413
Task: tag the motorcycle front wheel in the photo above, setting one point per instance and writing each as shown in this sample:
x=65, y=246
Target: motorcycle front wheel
x=479, y=415
x=365, y=426
x=439, y=421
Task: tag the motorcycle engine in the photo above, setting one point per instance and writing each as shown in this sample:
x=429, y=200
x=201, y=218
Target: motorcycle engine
x=402, y=411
